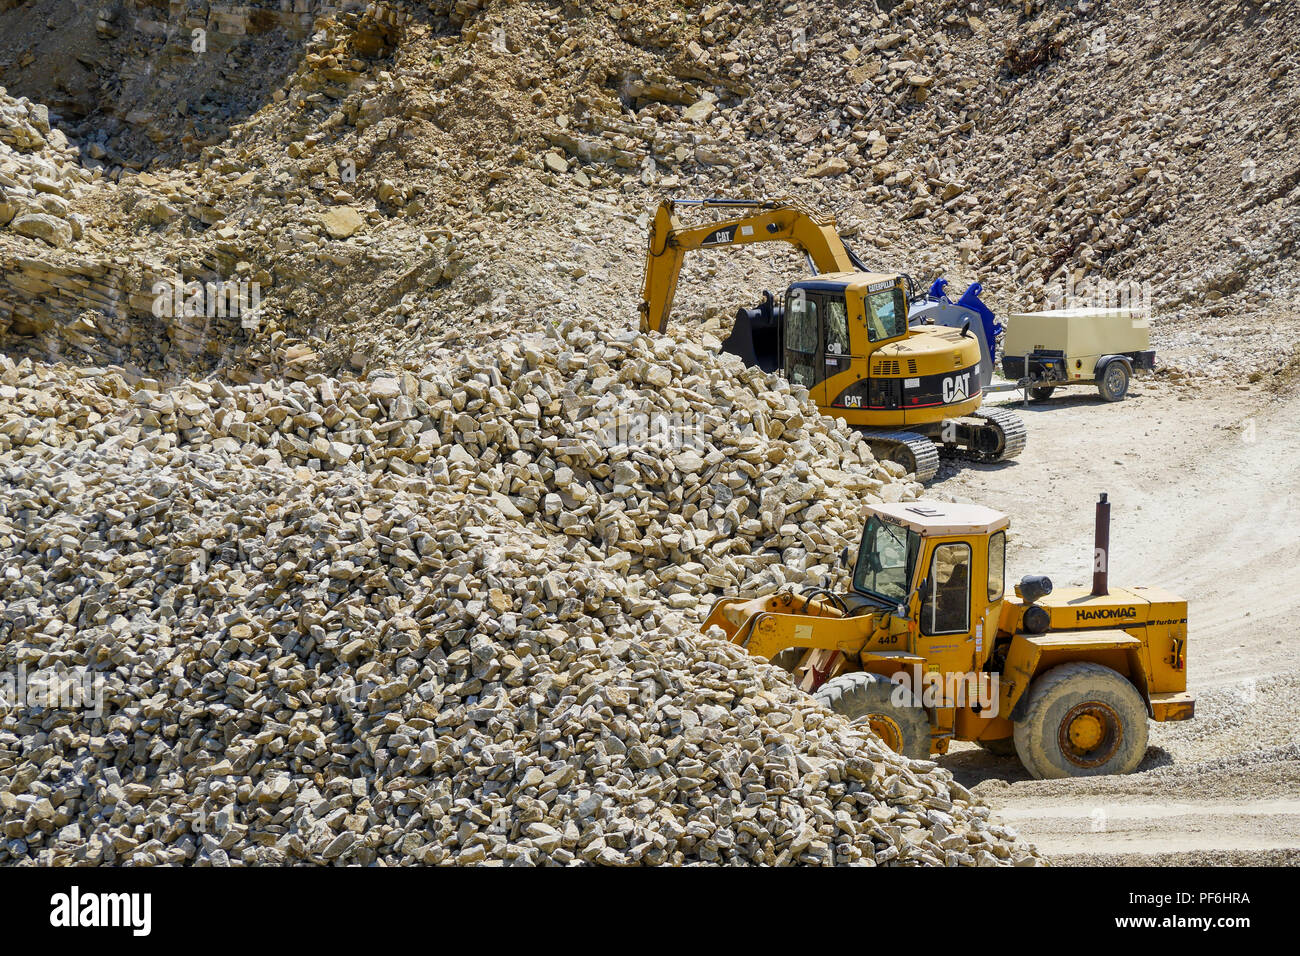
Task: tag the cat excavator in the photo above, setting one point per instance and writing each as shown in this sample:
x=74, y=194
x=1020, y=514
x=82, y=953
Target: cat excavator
x=906, y=369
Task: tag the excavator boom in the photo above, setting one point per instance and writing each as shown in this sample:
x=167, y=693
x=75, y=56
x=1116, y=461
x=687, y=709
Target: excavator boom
x=767, y=221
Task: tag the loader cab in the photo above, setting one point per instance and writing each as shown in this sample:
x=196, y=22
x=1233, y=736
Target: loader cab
x=943, y=562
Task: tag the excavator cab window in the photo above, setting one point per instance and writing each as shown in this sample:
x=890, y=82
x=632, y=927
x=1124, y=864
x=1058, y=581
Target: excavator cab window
x=802, y=342
x=837, y=328
x=838, y=357
x=886, y=314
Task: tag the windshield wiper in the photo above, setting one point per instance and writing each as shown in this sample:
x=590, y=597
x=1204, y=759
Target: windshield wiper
x=897, y=540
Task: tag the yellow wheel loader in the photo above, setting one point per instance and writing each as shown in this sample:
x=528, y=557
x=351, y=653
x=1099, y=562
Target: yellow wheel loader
x=925, y=647
x=907, y=370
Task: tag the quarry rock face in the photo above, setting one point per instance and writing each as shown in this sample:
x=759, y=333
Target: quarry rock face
x=383, y=202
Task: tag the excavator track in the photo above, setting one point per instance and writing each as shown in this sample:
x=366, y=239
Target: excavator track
x=993, y=434
x=914, y=451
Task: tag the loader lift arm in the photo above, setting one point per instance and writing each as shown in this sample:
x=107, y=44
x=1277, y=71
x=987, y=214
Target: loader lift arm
x=776, y=220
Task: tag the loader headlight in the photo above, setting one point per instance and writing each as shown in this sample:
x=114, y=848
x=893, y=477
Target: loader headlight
x=1034, y=586
x=1036, y=620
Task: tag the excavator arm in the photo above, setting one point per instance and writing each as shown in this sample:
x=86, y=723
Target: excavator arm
x=767, y=221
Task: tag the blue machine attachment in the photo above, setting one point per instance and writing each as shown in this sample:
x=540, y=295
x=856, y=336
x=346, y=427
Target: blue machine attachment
x=937, y=309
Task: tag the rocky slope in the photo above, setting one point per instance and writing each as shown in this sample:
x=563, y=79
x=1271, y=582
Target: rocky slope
x=395, y=176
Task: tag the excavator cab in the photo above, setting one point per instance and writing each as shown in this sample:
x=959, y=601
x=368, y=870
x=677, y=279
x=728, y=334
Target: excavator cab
x=807, y=335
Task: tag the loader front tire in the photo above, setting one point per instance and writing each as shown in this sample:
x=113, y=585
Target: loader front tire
x=892, y=713
x=1082, y=720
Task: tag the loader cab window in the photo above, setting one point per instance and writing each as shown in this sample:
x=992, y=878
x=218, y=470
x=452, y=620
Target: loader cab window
x=886, y=314
x=886, y=561
x=997, y=565
x=945, y=605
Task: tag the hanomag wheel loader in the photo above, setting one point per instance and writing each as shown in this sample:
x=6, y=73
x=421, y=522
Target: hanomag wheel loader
x=845, y=335
x=926, y=648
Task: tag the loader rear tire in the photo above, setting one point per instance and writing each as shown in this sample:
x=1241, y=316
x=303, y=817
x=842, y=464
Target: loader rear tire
x=870, y=698
x=1082, y=720
x=1042, y=393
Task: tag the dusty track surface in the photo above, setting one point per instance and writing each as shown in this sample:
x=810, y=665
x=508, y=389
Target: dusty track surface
x=1205, y=489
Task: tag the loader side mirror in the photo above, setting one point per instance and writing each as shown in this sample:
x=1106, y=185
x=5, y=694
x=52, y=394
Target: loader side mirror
x=844, y=559
x=905, y=608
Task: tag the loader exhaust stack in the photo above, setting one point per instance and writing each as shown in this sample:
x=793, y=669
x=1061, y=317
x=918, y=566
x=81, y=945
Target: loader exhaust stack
x=1101, y=549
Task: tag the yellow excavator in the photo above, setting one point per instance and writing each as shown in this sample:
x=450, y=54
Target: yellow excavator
x=908, y=370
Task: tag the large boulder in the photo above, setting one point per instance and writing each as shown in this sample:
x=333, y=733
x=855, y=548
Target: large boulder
x=40, y=225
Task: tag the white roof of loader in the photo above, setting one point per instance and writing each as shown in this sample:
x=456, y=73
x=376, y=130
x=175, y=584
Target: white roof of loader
x=943, y=517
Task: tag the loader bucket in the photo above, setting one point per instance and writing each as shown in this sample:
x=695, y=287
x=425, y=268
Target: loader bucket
x=756, y=335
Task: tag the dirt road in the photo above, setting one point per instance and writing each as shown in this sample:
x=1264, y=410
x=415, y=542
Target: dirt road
x=1206, y=502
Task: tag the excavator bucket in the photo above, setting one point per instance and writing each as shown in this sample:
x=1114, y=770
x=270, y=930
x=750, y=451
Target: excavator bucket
x=756, y=335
